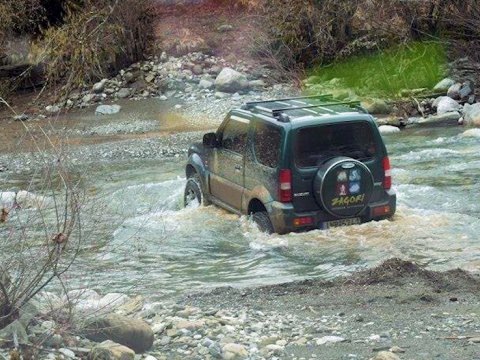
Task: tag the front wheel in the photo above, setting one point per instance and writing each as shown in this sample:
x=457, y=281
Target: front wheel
x=263, y=222
x=194, y=196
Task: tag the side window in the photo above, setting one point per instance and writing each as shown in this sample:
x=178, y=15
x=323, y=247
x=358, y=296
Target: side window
x=234, y=136
x=267, y=142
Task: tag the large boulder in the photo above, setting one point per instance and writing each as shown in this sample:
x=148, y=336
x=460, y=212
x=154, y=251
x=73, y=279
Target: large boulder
x=444, y=85
x=230, y=81
x=447, y=118
x=14, y=332
x=445, y=104
x=460, y=91
x=107, y=109
x=471, y=115
x=108, y=350
x=388, y=129
x=136, y=334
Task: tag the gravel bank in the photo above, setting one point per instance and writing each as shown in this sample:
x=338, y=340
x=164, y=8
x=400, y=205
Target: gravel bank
x=397, y=307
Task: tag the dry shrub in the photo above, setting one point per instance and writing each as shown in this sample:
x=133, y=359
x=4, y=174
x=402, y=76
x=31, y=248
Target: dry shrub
x=304, y=31
x=311, y=32
x=96, y=40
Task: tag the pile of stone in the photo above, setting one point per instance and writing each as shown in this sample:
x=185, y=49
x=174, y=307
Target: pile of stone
x=188, y=77
x=457, y=104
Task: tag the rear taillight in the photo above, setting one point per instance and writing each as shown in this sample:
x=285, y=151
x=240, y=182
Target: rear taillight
x=285, y=187
x=387, y=181
x=303, y=221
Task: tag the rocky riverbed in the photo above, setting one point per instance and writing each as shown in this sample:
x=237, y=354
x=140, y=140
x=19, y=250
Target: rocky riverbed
x=395, y=311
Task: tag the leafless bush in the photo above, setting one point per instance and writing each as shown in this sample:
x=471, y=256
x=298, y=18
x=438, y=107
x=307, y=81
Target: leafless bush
x=308, y=32
x=40, y=230
x=96, y=39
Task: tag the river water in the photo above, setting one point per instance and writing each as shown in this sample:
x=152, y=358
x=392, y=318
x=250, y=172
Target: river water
x=143, y=242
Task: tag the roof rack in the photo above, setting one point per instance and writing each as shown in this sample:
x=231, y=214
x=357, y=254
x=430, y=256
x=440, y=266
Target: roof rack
x=251, y=104
x=278, y=112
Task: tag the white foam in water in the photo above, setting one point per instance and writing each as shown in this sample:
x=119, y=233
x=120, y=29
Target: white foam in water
x=427, y=154
x=439, y=140
x=475, y=133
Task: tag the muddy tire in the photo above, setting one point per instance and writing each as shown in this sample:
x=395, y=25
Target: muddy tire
x=194, y=193
x=263, y=222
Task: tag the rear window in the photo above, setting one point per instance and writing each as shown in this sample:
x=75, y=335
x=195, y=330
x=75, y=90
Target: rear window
x=267, y=144
x=314, y=145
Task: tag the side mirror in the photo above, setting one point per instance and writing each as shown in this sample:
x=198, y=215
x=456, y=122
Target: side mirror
x=210, y=140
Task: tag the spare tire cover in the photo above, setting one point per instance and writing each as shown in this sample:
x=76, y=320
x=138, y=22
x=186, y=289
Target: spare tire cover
x=343, y=186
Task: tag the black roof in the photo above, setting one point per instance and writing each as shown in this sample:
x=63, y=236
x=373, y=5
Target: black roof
x=285, y=110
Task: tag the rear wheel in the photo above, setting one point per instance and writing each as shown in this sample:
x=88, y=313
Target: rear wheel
x=194, y=195
x=263, y=221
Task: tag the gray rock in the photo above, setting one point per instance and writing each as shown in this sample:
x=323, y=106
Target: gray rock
x=215, y=70
x=388, y=129
x=22, y=117
x=54, y=341
x=221, y=95
x=444, y=85
x=445, y=118
x=88, y=98
x=123, y=93
x=385, y=355
x=471, y=115
x=136, y=334
x=466, y=90
x=99, y=86
x=454, y=91
x=205, y=84
x=197, y=69
x=150, y=77
x=230, y=81
x=257, y=84
x=15, y=333
x=107, y=109
x=162, y=84
x=108, y=350
x=128, y=77
x=67, y=353
x=53, y=109
x=445, y=104
x=234, y=351
x=225, y=28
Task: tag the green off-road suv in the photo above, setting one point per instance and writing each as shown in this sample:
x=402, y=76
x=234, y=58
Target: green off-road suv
x=294, y=165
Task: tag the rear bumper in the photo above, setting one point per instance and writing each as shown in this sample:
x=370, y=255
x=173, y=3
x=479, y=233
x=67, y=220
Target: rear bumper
x=282, y=215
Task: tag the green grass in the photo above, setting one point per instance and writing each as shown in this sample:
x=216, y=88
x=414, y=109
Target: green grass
x=386, y=73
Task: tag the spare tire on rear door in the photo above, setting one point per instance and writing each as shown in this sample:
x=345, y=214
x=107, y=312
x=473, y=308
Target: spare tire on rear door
x=343, y=187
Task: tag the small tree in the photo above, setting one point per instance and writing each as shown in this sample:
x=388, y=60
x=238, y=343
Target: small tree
x=40, y=230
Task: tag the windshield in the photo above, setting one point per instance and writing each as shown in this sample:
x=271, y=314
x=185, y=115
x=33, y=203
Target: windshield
x=316, y=144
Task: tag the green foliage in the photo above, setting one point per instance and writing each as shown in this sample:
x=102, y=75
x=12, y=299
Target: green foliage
x=385, y=73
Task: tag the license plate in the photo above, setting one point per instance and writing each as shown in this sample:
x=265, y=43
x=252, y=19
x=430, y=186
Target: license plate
x=341, y=222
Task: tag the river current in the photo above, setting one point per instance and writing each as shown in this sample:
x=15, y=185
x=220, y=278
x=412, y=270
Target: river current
x=144, y=242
